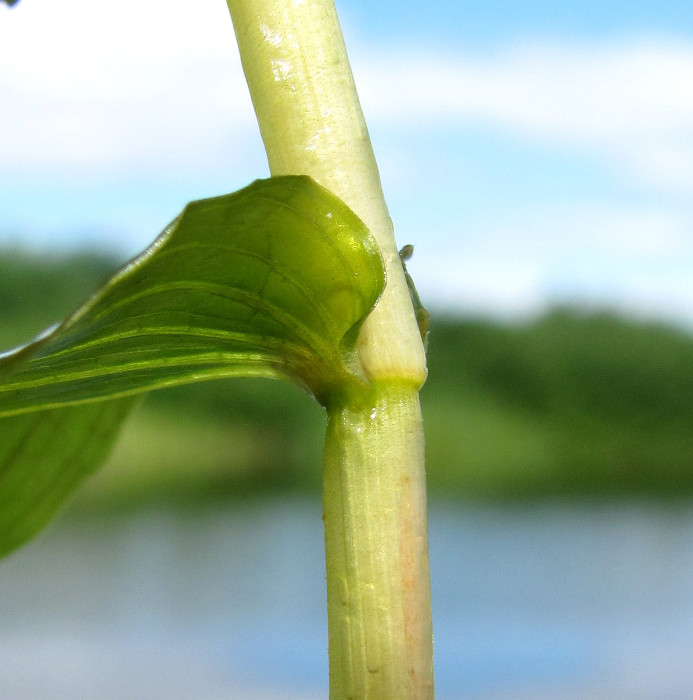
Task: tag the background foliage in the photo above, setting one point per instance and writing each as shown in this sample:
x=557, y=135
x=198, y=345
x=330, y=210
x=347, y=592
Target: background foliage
x=572, y=403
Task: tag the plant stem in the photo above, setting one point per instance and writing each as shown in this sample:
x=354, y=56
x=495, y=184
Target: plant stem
x=378, y=594
x=311, y=122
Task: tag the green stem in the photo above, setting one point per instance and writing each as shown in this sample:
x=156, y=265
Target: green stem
x=300, y=81
x=376, y=545
x=311, y=122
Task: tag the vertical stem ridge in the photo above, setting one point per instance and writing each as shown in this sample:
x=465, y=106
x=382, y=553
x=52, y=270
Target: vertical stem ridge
x=376, y=550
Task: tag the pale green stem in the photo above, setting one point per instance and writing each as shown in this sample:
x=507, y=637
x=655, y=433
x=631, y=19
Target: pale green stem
x=311, y=122
x=376, y=545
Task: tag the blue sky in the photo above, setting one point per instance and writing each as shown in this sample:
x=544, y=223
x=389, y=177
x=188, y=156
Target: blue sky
x=533, y=153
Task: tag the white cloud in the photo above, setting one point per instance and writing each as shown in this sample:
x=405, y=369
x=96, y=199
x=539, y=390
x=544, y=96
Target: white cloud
x=509, y=287
x=629, y=234
x=122, y=86
x=82, y=85
x=481, y=284
x=113, y=91
x=629, y=101
x=587, y=91
x=638, y=259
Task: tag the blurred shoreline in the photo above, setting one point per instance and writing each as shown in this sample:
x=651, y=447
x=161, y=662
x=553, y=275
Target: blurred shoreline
x=574, y=403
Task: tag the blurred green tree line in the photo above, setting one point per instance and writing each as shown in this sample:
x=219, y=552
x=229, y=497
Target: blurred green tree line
x=569, y=404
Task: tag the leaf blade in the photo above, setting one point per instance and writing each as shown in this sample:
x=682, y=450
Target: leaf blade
x=269, y=281
x=265, y=282
x=44, y=456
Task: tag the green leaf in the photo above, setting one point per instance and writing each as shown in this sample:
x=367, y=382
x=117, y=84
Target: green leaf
x=273, y=280
x=44, y=456
x=264, y=282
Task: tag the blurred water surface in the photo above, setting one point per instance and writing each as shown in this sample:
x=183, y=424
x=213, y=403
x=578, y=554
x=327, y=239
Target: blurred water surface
x=536, y=601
